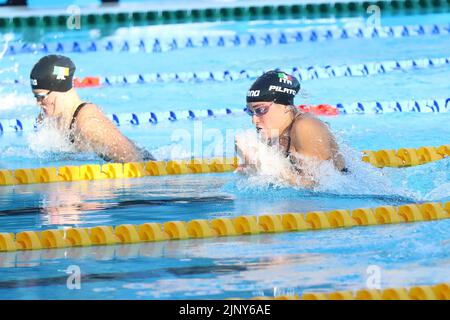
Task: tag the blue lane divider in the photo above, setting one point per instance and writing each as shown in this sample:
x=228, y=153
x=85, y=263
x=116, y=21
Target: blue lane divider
x=135, y=119
x=372, y=107
x=285, y=36
x=304, y=74
x=142, y=118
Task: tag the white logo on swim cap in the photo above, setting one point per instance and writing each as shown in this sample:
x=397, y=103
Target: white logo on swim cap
x=60, y=72
x=33, y=82
x=283, y=90
x=284, y=80
x=253, y=93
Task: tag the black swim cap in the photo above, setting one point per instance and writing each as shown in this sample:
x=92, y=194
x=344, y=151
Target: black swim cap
x=275, y=86
x=52, y=72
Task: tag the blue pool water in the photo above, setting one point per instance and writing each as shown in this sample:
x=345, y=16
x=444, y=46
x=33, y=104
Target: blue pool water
x=330, y=260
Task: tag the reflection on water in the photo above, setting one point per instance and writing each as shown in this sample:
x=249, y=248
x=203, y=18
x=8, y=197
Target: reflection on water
x=186, y=197
x=102, y=201
x=61, y=203
x=64, y=204
x=242, y=266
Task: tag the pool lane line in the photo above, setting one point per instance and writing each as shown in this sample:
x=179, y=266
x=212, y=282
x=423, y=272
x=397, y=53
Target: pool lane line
x=436, y=105
x=226, y=40
x=223, y=227
x=135, y=119
x=440, y=291
x=404, y=157
x=116, y=170
x=142, y=275
x=161, y=249
x=128, y=204
x=366, y=69
x=91, y=18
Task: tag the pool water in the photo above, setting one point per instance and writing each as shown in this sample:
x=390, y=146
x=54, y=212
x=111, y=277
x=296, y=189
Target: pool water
x=288, y=263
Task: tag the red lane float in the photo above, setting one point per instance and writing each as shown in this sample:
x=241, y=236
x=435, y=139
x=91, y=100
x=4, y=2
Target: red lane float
x=86, y=82
x=320, y=110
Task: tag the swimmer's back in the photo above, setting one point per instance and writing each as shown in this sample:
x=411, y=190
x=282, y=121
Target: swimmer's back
x=92, y=127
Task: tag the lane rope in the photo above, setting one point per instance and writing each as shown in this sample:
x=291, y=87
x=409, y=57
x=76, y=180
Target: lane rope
x=224, y=40
x=141, y=118
x=221, y=227
x=157, y=117
x=304, y=74
x=404, y=157
x=439, y=291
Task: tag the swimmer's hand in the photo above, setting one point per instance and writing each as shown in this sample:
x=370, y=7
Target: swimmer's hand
x=245, y=169
x=40, y=118
x=245, y=152
x=240, y=169
x=300, y=181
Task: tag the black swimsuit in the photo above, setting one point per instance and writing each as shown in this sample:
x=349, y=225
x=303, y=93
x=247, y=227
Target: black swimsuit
x=74, y=117
x=146, y=156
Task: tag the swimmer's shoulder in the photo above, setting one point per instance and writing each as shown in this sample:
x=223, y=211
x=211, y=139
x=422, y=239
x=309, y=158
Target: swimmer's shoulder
x=306, y=124
x=88, y=110
x=91, y=121
x=90, y=113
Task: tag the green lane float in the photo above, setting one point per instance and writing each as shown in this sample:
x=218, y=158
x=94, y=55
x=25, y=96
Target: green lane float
x=222, y=227
x=439, y=291
x=237, y=13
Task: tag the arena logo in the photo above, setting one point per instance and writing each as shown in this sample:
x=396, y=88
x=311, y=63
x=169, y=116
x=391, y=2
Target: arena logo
x=282, y=90
x=33, y=82
x=253, y=93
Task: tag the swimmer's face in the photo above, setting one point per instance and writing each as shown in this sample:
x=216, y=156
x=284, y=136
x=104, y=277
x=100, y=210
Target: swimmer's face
x=46, y=100
x=268, y=118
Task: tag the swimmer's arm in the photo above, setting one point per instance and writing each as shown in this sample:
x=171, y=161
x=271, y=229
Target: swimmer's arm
x=248, y=165
x=104, y=137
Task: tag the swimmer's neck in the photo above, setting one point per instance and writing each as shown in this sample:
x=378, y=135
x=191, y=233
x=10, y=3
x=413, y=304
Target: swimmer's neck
x=289, y=119
x=69, y=103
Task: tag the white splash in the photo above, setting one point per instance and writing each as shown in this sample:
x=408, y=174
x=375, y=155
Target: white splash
x=14, y=100
x=273, y=167
x=171, y=151
x=7, y=38
x=48, y=139
x=274, y=170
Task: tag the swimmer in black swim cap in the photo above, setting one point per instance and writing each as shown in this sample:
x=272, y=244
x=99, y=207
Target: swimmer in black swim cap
x=270, y=103
x=83, y=123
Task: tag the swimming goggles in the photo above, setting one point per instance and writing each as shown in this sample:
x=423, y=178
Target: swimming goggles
x=258, y=110
x=41, y=96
